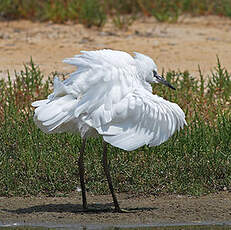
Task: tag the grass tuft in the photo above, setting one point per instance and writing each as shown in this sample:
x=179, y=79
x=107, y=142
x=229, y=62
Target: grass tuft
x=194, y=161
x=95, y=12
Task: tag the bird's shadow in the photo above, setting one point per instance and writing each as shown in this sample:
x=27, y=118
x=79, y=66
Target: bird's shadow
x=74, y=208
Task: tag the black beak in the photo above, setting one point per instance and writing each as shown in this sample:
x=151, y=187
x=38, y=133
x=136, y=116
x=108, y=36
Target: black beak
x=160, y=79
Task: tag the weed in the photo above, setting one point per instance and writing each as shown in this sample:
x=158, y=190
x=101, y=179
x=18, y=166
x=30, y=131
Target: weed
x=123, y=21
x=95, y=12
x=91, y=13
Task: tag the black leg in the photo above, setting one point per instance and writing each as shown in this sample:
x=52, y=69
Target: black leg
x=107, y=173
x=81, y=175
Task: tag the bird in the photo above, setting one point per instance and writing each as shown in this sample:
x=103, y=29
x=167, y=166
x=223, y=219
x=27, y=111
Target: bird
x=110, y=95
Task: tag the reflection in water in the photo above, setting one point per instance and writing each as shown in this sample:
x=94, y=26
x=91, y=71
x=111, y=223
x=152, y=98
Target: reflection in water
x=182, y=227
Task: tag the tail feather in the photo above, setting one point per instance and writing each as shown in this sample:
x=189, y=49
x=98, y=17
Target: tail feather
x=39, y=103
x=54, y=116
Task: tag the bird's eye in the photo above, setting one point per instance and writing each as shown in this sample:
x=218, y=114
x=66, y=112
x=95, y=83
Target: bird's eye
x=154, y=73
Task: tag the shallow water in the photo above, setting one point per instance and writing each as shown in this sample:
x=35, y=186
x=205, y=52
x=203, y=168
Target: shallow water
x=104, y=227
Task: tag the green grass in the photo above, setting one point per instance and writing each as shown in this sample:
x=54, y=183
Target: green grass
x=195, y=161
x=95, y=12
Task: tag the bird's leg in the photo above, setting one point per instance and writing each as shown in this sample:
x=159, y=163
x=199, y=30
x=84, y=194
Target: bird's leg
x=107, y=173
x=81, y=175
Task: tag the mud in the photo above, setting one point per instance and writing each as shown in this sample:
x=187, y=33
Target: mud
x=170, y=209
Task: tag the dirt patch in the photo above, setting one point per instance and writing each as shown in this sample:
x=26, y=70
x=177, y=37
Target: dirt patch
x=143, y=210
x=181, y=46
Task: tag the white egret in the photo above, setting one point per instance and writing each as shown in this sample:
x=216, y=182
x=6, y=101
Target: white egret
x=110, y=95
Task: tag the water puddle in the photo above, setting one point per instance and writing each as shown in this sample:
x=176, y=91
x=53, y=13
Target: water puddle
x=118, y=227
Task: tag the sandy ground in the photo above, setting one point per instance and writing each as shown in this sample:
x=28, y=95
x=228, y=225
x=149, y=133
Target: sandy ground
x=215, y=208
x=181, y=46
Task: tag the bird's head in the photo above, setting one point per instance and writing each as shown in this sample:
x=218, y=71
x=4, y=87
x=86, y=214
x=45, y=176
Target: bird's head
x=148, y=70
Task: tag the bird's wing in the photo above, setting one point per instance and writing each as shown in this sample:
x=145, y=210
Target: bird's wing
x=102, y=77
x=138, y=119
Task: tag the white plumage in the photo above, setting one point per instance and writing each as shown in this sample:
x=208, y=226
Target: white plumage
x=110, y=94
